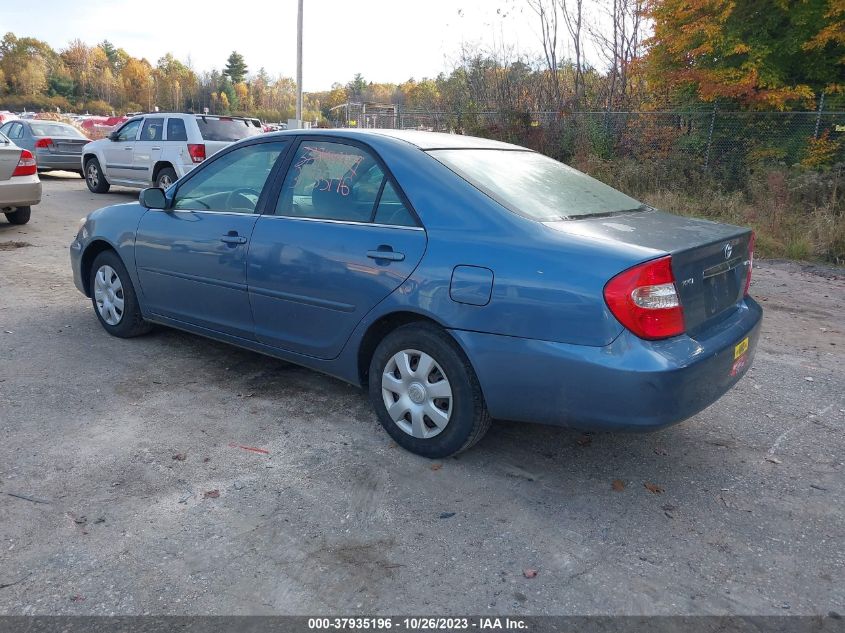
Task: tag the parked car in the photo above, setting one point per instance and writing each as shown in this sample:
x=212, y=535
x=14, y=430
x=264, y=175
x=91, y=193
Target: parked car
x=55, y=145
x=5, y=115
x=457, y=279
x=156, y=149
x=20, y=187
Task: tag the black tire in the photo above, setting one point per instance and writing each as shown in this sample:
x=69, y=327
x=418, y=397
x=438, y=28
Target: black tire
x=94, y=177
x=469, y=419
x=131, y=321
x=19, y=216
x=167, y=173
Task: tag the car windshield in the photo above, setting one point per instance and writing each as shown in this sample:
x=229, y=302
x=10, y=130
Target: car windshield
x=533, y=185
x=226, y=129
x=55, y=129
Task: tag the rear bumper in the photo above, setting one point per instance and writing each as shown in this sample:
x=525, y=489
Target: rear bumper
x=630, y=384
x=70, y=162
x=20, y=191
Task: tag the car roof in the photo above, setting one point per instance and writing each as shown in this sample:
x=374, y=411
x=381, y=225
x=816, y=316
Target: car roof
x=423, y=140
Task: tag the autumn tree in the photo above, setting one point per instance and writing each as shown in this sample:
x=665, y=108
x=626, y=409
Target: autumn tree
x=136, y=79
x=763, y=54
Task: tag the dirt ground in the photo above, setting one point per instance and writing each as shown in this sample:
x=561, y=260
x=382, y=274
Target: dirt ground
x=110, y=450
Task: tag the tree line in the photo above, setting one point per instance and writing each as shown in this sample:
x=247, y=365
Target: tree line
x=655, y=54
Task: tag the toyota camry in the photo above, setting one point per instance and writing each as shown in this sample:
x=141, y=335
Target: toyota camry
x=456, y=279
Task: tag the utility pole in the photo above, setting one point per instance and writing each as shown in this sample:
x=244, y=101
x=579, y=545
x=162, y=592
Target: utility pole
x=299, y=65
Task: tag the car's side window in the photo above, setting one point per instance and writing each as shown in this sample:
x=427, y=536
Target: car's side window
x=176, y=130
x=15, y=131
x=391, y=209
x=231, y=183
x=331, y=181
x=5, y=129
x=153, y=130
x=129, y=131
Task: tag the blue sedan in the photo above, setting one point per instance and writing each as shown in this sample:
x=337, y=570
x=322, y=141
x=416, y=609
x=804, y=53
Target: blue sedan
x=456, y=279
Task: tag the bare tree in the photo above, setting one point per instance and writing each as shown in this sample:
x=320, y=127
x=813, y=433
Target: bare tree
x=621, y=48
x=573, y=13
x=547, y=11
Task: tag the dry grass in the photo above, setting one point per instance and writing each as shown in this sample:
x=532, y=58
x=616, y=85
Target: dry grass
x=796, y=213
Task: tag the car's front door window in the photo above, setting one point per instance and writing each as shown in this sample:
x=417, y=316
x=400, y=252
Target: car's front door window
x=129, y=131
x=231, y=183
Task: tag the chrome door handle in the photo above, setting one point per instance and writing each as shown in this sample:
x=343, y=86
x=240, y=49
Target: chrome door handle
x=233, y=239
x=128, y=149
x=155, y=148
x=392, y=256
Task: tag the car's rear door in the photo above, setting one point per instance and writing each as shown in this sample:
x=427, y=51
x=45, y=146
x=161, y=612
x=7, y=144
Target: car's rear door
x=191, y=259
x=341, y=238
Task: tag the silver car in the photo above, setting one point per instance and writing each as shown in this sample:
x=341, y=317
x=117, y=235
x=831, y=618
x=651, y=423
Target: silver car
x=20, y=187
x=55, y=145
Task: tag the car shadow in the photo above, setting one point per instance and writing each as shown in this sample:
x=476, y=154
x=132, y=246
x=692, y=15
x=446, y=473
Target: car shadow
x=521, y=453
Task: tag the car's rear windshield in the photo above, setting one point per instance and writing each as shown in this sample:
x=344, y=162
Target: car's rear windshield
x=533, y=185
x=227, y=129
x=55, y=129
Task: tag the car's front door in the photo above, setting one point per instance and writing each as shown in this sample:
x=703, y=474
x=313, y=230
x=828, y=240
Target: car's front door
x=148, y=148
x=191, y=258
x=119, y=153
x=341, y=239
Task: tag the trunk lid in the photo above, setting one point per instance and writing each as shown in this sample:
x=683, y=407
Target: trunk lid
x=709, y=260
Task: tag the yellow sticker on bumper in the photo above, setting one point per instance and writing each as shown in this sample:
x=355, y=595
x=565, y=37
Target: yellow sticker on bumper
x=741, y=348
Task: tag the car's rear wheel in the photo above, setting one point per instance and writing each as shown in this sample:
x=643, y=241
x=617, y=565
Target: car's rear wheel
x=425, y=392
x=166, y=177
x=19, y=216
x=114, y=299
x=94, y=177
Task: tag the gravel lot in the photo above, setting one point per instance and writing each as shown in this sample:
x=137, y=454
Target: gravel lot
x=747, y=517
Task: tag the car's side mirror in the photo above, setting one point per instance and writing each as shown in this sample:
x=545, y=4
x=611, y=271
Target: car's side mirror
x=153, y=198
x=113, y=136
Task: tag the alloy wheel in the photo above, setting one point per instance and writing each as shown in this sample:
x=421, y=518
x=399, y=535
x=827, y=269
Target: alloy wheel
x=93, y=175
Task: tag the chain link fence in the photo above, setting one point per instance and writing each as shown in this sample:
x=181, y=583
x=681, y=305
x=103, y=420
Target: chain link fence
x=725, y=144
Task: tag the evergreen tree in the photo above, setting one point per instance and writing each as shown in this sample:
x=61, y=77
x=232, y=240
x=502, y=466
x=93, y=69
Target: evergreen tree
x=236, y=69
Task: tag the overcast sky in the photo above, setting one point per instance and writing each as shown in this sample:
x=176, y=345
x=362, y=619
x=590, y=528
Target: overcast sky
x=385, y=40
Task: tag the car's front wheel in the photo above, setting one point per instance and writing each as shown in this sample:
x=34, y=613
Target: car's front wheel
x=425, y=392
x=94, y=177
x=114, y=299
x=19, y=216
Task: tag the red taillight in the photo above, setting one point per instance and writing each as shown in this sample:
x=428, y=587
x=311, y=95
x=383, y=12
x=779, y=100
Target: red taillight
x=44, y=142
x=26, y=165
x=197, y=152
x=645, y=301
x=750, y=262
